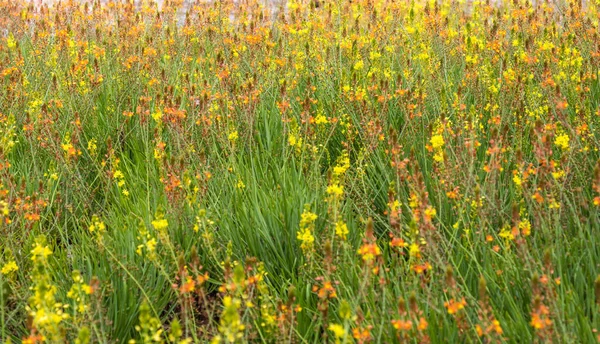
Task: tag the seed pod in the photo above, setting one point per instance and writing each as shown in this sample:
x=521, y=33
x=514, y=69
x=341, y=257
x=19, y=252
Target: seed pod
x=537, y=302
x=535, y=282
x=412, y=302
x=482, y=288
x=369, y=230
x=547, y=258
x=291, y=293
x=402, y=305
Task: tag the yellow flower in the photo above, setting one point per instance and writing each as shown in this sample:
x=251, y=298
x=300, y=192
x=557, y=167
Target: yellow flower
x=151, y=245
x=306, y=238
x=92, y=146
x=558, y=174
x=374, y=55
x=160, y=224
x=320, y=119
x=292, y=140
x=506, y=233
x=307, y=218
x=97, y=225
x=414, y=250
x=230, y=325
x=233, y=136
x=67, y=147
x=295, y=141
x=87, y=289
x=307, y=225
x=525, y=227
x=341, y=230
x=40, y=251
x=338, y=331
x=430, y=212
x=517, y=180
x=546, y=46
x=4, y=208
x=359, y=65
x=157, y=116
x=562, y=141
x=10, y=41
x=9, y=267
x=118, y=174
x=342, y=166
x=139, y=249
x=335, y=190
x=437, y=141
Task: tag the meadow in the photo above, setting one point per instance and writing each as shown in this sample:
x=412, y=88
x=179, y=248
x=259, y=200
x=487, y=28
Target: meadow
x=366, y=171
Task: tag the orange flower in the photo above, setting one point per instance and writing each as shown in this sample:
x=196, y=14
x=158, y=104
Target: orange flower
x=369, y=251
x=420, y=268
x=398, y=242
x=496, y=326
x=362, y=335
x=202, y=278
x=538, y=322
x=539, y=318
x=188, y=286
x=402, y=325
x=454, y=306
x=327, y=291
x=538, y=198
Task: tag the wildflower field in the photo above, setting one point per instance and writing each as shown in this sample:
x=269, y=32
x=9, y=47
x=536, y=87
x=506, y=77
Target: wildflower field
x=366, y=171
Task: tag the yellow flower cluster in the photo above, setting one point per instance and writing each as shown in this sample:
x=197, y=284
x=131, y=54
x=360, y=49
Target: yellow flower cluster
x=437, y=143
x=46, y=313
x=230, y=325
x=335, y=189
x=9, y=268
x=307, y=227
x=97, y=227
x=562, y=141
